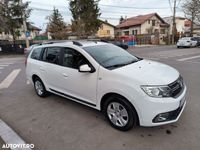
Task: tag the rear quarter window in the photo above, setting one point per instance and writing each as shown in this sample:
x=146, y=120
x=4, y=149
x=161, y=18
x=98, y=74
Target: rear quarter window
x=36, y=53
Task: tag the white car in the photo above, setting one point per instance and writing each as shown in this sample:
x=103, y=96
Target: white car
x=186, y=42
x=127, y=89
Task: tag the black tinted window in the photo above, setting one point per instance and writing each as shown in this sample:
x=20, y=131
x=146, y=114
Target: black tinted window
x=36, y=53
x=52, y=55
x=73, y=59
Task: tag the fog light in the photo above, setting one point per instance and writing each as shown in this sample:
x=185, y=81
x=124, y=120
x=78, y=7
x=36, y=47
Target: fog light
x=161, y=117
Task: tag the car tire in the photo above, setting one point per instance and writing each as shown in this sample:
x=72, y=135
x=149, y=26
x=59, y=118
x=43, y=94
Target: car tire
x=120, y=113
x=178, y=46
x=40, y=88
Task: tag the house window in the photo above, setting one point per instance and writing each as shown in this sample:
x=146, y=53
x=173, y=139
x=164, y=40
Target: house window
x=136, y=32
x=126, y=32
x=162, y=31
x=101, y=27
x=153, y=22
x=118, y=33
x=149, y=21
x=156, y=31
x=108, y=32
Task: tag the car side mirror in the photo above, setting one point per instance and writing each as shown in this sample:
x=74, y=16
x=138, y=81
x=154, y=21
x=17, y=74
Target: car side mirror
x=85, y=68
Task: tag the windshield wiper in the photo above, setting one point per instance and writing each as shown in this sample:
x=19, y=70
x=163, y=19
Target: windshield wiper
x=121, y=65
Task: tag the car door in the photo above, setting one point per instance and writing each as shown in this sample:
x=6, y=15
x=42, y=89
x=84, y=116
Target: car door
x=51, y=66
x=78, y=85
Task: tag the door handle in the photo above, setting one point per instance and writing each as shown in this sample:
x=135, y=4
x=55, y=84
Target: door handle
x=65, y=75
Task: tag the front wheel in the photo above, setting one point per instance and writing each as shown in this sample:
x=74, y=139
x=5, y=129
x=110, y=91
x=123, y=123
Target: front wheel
x=120, y=114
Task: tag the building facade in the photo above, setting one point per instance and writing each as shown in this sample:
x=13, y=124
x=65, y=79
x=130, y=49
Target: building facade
x=33, y=32
x=106, y=30
x=142, y=24
x=150, y=24
x=183, y=25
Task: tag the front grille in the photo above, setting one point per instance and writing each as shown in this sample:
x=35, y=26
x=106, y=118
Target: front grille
x=177, y=87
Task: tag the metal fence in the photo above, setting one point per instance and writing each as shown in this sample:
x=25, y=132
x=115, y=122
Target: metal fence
x=14, y=48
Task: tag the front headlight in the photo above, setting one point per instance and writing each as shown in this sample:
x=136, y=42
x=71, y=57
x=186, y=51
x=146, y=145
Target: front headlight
x=157, y=91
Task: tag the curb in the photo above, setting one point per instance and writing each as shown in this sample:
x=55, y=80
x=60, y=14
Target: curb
x=9, y=136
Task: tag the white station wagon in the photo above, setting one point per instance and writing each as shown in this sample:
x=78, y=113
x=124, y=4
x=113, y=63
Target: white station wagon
x=128, y=90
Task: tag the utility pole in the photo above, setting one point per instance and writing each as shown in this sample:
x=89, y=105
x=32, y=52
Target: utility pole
x=174, y=22
x=25, y=26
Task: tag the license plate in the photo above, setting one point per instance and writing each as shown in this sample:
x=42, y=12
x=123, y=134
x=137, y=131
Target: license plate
x=182, y=102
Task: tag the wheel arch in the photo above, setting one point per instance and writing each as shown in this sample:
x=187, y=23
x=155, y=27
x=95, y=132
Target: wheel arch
x=34, y=76
x=107, y=95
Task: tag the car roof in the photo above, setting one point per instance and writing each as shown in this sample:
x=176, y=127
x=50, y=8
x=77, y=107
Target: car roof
x=80, y=43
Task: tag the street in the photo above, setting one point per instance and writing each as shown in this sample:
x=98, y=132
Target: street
x=55, y=123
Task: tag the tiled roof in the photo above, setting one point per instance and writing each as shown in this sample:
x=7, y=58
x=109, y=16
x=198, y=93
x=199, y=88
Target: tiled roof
x=105, y=22
x=138, y=20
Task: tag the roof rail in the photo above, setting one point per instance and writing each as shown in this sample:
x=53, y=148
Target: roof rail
x=54, y=42
x=77, y=43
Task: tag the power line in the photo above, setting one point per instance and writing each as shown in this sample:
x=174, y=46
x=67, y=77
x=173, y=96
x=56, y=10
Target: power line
x=116, y=6
x=133, y=7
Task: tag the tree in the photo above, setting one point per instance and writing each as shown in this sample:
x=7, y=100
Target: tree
x=192, y=12
x=56, y=25
x=85, y=15
x=121, y=19
x=11, y=15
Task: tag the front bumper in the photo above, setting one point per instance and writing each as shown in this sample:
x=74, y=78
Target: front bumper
x=173, y=106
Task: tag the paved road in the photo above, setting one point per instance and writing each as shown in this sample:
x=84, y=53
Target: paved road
x=56, y=123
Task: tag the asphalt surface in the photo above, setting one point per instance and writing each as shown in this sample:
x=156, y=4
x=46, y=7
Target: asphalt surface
x=55, y=123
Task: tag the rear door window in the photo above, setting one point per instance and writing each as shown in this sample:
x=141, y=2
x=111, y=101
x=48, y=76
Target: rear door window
x=52, y=55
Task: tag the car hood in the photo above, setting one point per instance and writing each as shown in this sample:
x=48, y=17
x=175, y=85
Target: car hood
x=148, y=72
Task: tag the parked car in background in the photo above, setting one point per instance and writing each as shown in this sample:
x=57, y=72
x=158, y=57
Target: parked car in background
x=197, y=38
x=127, y=89
x=27, y=50
x=186, y=42
x=120, y=44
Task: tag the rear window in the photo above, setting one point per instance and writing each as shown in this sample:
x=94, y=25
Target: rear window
x=36, y=53
x=185, y=39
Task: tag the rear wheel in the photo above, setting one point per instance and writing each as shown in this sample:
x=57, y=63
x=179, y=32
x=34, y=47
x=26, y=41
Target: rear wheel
x=120, y=114
x=39, y=87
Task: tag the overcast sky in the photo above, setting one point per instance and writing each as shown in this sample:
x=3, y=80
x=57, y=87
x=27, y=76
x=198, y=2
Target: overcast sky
x=111, y=10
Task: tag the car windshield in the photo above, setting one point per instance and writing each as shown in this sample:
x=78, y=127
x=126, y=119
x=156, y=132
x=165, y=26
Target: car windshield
x=110, y=56
x=185, y=39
